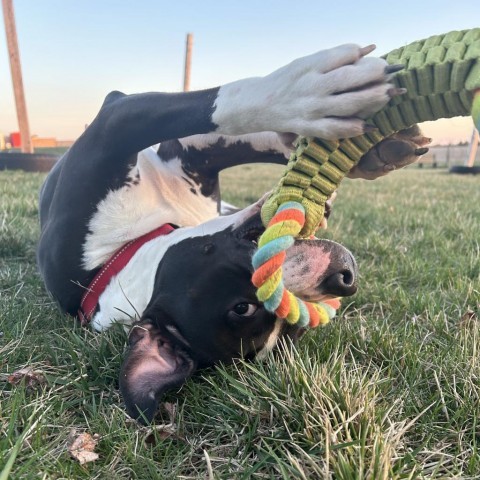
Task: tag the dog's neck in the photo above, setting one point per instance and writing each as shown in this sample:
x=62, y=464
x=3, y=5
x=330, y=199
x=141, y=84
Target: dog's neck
x=129, y=292
x=112, y=268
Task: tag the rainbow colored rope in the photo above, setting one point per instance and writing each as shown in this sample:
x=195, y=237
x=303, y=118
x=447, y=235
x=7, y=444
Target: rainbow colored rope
x=268, y=278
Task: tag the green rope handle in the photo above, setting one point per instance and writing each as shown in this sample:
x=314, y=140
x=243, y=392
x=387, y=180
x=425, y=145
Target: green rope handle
x=442, y=77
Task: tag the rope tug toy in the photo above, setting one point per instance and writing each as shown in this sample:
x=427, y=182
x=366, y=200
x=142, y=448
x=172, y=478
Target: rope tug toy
x=442, y=77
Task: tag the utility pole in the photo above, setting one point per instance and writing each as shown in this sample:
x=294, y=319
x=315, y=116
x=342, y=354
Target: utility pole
x=15, y=68
x=188, y=62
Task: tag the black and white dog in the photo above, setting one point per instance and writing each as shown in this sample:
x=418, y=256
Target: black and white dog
x=153, y=160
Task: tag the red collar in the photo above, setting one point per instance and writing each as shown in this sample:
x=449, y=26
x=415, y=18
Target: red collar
x=112, y=267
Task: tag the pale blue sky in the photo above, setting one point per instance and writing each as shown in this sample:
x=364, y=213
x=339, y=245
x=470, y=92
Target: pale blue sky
x=74, y=52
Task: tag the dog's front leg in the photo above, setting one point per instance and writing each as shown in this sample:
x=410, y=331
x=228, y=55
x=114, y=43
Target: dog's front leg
x=211, y=153
x=327, y=95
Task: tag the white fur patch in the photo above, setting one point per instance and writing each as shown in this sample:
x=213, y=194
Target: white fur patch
x=272, y=339
x=260, y=142
x=159, y=196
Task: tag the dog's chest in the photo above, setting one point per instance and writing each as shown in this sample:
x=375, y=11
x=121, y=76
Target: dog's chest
x=154, y=193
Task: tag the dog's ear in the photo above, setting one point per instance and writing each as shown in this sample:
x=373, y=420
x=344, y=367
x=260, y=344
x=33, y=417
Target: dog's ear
x=155, y=363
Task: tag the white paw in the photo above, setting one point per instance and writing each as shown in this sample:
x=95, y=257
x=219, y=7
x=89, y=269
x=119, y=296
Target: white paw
x=327, y=94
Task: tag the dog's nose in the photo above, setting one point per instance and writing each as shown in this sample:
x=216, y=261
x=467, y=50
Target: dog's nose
x=341, y=277
x=316, y=269
x=343, y=282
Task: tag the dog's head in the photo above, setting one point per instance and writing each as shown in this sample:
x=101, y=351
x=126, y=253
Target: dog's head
x=204, y=309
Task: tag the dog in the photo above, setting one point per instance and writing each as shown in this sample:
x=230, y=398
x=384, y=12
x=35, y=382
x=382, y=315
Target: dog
x=145, y=173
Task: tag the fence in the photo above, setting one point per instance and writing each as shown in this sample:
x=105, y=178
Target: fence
x=447, y=156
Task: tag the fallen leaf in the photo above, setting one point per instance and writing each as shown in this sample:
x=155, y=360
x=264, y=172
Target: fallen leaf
x=171, y=409
x=469, y=319
x=32, y=378
x=162, y=432
x=83, y=446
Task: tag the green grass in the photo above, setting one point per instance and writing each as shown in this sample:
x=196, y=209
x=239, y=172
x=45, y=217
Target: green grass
x=389, y=390
x=45, y=150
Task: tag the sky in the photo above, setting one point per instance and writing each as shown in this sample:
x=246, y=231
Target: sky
x=74, y=52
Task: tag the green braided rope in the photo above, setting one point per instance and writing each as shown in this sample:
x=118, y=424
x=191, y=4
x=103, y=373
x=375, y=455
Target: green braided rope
x=441, y=74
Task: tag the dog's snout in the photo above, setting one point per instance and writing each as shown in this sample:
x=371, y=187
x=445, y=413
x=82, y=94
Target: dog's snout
x=319, y=269
x=342, y=283
x=341, y=279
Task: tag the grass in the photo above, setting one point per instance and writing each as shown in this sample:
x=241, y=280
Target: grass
x=389, y=390
x=44, y=150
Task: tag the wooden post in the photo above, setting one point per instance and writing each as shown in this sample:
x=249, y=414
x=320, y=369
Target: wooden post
x=14, y=55
x=188, y=62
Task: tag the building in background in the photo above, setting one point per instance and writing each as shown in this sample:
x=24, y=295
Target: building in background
x=14, y=140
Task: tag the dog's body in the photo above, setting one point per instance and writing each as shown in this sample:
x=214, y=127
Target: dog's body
x=190, y=290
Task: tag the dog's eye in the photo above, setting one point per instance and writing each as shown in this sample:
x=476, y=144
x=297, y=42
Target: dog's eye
x=245, y=309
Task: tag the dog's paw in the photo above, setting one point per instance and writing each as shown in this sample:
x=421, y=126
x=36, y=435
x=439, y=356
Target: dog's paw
x=397, y=151
x=327, y=94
